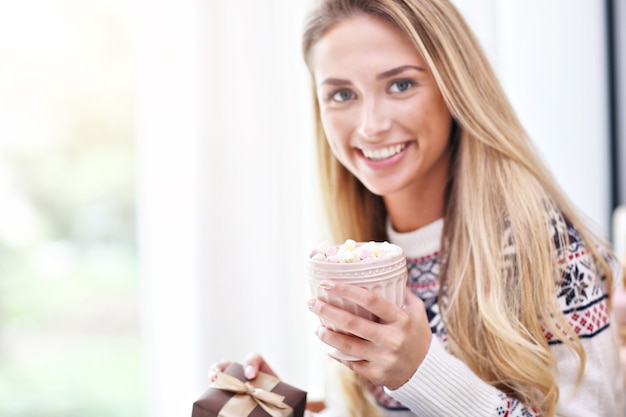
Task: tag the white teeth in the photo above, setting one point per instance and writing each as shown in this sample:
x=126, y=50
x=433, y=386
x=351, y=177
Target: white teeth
x=383, y=153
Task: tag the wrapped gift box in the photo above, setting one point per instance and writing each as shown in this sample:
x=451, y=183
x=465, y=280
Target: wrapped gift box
x=263, y=396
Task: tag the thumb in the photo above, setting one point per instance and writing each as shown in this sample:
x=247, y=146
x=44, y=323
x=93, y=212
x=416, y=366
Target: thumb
x=412, y=301
x=254, y=363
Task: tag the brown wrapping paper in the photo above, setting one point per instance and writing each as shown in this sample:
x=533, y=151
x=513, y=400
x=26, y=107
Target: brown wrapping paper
x=266, y=396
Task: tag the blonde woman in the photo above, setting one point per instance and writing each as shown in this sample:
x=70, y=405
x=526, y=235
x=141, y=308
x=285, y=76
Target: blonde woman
x=508, y=313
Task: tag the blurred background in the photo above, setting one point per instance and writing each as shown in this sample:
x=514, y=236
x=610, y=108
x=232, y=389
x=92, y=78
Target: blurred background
x=157, y=186
x=69, y=305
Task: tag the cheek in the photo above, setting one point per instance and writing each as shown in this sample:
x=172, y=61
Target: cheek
x=435, y=121
x=441, y=116
x=336, y=129
x=443, y=127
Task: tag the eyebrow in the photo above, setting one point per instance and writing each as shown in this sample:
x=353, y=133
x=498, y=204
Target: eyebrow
x=398, y=70
x=382, y=75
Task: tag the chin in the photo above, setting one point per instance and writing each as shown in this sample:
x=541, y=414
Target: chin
x=378, y=190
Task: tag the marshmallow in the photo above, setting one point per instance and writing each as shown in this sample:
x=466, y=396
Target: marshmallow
x=351, y=251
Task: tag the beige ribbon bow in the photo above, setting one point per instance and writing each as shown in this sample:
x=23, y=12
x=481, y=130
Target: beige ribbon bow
x=248, y=395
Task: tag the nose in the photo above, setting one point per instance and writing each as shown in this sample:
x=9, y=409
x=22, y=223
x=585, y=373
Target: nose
x=375, y=120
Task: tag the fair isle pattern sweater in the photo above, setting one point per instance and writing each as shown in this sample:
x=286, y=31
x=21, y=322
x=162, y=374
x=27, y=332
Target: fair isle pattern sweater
x=443, y=386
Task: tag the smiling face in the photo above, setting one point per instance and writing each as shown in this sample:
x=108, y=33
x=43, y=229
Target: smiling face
x=383, y=114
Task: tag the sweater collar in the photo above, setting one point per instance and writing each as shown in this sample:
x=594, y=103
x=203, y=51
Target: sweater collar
x=418, y=243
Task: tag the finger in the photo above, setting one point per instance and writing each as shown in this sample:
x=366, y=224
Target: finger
x=379, y=306
x=374, y=341
x=346, y=321
x=254, y=363
x=412, y=303
x=343, y=321
x=347, y=344
x=218, y=367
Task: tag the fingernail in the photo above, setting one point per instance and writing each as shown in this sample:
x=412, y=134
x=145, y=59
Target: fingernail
x=249, y=372
x=327, y=285
x=212, y=375
x=311, y=303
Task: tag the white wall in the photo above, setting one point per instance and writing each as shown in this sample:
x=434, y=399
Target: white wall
x=169, y=190
x=551, y=59
x=257, y=134
x=227, y=210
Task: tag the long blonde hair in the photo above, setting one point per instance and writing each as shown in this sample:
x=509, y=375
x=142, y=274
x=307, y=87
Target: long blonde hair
x=496, y=307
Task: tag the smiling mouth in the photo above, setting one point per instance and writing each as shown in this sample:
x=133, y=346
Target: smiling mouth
x=383, y=153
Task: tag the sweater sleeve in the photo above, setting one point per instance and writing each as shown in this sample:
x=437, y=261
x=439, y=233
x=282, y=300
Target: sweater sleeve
x=444, y=386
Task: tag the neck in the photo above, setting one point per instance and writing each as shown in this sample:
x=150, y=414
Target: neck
x=412, y=210
x=406, y=218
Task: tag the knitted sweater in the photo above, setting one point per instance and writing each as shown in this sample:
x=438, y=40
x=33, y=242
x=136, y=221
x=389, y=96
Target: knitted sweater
x=443, y=386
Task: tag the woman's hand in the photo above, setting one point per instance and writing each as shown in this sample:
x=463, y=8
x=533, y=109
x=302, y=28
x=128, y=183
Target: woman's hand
x=392, y=349
x=253, y=363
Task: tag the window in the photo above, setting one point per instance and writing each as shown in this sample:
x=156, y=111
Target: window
x=69, y=297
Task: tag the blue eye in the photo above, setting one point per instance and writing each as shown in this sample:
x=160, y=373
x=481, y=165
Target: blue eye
x=401, y=86
x=342, y=95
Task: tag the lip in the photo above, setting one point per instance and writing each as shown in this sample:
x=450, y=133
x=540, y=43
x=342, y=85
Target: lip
x=385, y=163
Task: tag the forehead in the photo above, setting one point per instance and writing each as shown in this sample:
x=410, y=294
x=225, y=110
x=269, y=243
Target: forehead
x=362, y=43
